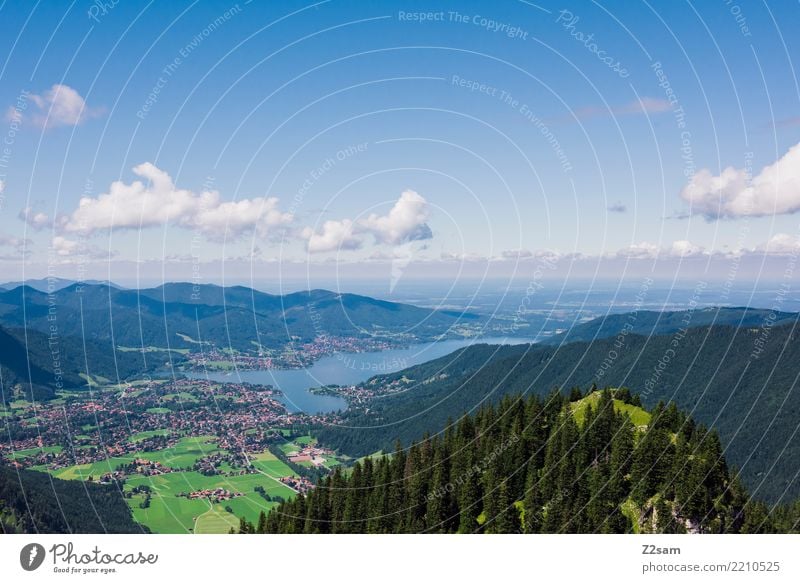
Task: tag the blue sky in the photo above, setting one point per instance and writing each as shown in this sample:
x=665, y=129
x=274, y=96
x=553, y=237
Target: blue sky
x=513, y=134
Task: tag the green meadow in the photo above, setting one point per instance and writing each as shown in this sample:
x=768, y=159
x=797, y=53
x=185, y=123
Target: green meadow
x=184, y=453
x=141, y=436
x=215, y=521
x=35, y=451
x=169, y=513
x=639, y=416
x=150, y=349
x=182, y=396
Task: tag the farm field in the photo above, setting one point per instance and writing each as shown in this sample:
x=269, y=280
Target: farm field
x=151, y=349
x=215, y=521
x=35, y=451
x=142, y=435
x=170, y=513
x=182, y=455
x=166, y=511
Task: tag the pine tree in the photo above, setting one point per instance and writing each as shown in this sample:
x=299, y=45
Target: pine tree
x=533, y=503
x=507, y=519
x=469, y=498
x=533, y=459
x=436, y=504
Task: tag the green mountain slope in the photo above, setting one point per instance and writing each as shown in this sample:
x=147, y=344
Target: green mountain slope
x=35, y=502
x=650, y=323
x=527, y=465
x=37, y=365
x=740, y=381
x=232, y=317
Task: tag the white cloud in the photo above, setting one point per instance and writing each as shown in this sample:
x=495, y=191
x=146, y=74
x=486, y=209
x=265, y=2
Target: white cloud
x=37, y=221
x=73, y=251
x=781, y=244
x=60, y=105
x=646, y=250
x=684, y=249
x=516, y=254
x=157, y=202
x=775, y=190
x=15, y=242
x=462, y=257
x=406, y=221
x=63, y=247
x=334, y=235
x=643, y=250
x=2, y=186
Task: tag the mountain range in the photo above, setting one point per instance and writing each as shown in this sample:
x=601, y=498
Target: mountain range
x=100, y=330
x=651, y=322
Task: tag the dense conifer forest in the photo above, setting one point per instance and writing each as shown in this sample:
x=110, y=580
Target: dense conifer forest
x=741, y=381
x=580, y=464
x=36, y=502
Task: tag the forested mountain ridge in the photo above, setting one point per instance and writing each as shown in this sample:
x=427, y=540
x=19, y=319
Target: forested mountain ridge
x=179, y=315
x=541, y=466
x=650, y=323
x=740, y=381
x=34, y=502
x=36, y=365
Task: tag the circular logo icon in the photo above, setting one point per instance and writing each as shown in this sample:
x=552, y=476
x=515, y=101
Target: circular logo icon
x=31, y=556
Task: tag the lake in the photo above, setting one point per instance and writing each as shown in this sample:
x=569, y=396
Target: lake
x=343, y=368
